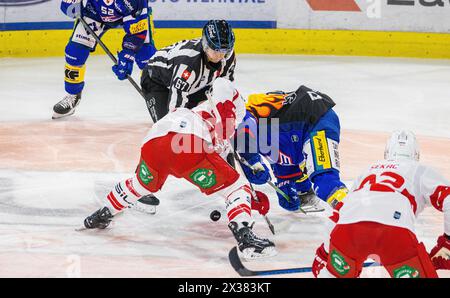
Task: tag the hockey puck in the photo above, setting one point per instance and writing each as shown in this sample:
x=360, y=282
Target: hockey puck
x=215, y=215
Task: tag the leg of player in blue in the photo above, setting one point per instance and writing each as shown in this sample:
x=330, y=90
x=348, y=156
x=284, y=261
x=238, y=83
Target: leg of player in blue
x=77, y=51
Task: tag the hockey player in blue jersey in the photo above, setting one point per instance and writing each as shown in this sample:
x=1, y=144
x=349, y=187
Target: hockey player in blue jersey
x=102, y=15
x=298, y=132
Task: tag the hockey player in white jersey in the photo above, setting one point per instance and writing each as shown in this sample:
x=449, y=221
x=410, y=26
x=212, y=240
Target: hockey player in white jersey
x=192, y=144
x=378, y=218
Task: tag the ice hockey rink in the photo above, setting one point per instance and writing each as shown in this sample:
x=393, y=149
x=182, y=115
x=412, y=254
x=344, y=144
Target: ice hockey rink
x=55, y=173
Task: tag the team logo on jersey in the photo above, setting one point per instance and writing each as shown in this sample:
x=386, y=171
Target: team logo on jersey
x=339, y=264
x=285, y=159
x=144, y=174
x=21, y=2
x=204, y=178
x=406, y=272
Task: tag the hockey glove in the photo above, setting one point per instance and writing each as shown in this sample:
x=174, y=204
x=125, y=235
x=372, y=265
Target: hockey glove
x=261, y=203
x=124, y=66
x=320, y=260
x=258, y=173
x=226, y=122
x=288, y=187
x=440, y=254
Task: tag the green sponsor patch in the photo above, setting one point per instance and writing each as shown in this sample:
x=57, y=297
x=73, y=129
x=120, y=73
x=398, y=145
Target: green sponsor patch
x=144, y=174
x=204, y=178
x=339, y=264
x=406, y=272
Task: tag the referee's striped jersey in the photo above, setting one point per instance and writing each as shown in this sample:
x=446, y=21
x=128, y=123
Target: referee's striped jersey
x=184, y=70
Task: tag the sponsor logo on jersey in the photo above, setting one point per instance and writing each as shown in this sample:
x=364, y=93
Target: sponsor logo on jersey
x=139, y=27
x=320, y=150
x=339, y=264
x=22, y=2
x=406, y=272
x=144, y=174
x=128, y=5
x=204, y=178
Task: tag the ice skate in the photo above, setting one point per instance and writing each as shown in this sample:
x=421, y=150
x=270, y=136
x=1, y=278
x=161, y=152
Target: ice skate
x=100, y=219
x=310, y=203
x=250, y=245
x=66, y=106
x=147, y=204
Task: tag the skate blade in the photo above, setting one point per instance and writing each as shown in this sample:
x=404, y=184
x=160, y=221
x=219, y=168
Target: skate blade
x=313, y=209
x=147, y=209
x=250, y=254
x=59, y=116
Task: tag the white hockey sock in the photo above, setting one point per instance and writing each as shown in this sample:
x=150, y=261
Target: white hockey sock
x=125, y=194
x=239, y=206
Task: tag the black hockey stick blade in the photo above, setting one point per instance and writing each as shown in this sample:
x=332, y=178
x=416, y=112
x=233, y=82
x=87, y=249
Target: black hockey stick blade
x=236, y=262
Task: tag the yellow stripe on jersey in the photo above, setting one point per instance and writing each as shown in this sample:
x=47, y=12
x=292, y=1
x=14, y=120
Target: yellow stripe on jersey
x=320, y=149
x=74, y=74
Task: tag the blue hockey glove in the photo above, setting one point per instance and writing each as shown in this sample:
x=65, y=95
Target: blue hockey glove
x=288, y=187
x=124, y=66
x=259, y=173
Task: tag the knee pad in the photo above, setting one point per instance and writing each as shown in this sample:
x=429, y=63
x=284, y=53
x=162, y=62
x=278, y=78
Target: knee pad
x=76, y=54
x=144, y=55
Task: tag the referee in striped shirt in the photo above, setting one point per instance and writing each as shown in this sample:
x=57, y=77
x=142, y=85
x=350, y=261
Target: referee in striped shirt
x=180, y=75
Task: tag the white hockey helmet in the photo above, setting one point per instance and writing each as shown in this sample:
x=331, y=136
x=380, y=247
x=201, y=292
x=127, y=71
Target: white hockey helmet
x=402, y=145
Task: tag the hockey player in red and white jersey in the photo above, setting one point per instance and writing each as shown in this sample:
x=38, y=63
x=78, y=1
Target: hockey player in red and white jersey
x=378, y=216
x=191, y=144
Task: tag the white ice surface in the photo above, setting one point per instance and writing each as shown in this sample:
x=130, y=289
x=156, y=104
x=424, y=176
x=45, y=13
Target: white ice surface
x=41, y=207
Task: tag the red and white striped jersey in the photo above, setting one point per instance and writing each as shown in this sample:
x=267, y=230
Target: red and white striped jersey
x=395, y=193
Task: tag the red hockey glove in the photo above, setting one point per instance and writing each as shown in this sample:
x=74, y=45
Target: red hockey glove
x=440, y=254
x=320, y=260
x=262, y=204
x=226, y=125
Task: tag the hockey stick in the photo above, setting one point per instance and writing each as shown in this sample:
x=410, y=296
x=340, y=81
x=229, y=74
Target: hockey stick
x=276, y=188
x=236, y=263
x=150, y=105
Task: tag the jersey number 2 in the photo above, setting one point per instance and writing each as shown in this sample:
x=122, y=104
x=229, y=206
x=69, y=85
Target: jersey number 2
x=392, y=182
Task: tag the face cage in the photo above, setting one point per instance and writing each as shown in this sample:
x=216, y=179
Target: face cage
x=227, y=52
